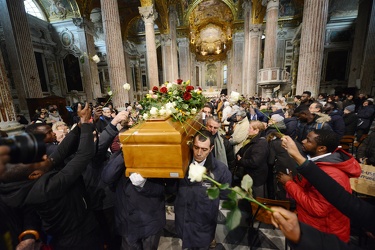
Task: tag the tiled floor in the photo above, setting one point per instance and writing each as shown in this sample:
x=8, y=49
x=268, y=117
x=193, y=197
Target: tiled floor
x=242, y=237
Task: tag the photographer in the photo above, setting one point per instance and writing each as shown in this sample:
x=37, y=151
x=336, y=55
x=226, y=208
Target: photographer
x=59, y=197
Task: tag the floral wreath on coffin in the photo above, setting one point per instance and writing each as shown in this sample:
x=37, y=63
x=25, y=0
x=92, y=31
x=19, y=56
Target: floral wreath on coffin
x=177, y=99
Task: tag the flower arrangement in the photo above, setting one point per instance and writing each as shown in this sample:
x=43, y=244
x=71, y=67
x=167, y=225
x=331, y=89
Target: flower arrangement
x=197, y=173
x=177, y=99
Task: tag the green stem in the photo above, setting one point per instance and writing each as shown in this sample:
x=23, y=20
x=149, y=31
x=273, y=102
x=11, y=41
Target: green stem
x=110, y=98
x=269, y=118
x=246, y=198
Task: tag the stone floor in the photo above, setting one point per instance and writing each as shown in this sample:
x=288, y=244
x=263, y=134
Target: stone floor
x=243, y=237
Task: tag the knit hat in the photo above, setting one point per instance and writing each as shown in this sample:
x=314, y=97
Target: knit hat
x=277, y=118
x=350, y=108
x=370, y=99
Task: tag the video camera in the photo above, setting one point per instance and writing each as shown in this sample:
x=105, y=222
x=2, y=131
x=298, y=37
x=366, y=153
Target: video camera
x=25, y=148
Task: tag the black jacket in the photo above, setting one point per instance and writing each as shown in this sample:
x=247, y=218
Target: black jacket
x=291, y=126
x=351, y=121
x=367, y=149
x=196, y=214
x=337, y=123
x=254, y=159
x=139, y=212
x=59, y=197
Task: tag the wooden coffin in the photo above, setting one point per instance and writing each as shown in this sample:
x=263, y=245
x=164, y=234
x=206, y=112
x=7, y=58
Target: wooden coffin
x=158, y=148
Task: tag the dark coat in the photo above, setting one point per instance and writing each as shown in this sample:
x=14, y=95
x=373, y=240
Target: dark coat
x=291, y=126
x=59, y=197
x=254, y=159
x=337, y=123
x=196, y=214
x=351, y=121
x=365, y=113
x=367, y=149
x=139, y=212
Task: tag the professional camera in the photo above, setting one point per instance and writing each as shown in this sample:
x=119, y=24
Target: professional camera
x=25, y=148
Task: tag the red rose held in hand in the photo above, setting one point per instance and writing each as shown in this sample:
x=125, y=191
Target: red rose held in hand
x=155, y=89
x=189, y=88
x=187, y=96
x=179, y=81
x=163, y=90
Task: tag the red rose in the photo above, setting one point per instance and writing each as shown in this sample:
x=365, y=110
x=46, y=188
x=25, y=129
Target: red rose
x=187, y=96
x=163, y=90
x=155, y=89
x=189, y=88
x=200, y=88
x=179, y=81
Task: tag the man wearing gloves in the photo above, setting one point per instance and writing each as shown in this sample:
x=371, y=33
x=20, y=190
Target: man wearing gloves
x=139, y=206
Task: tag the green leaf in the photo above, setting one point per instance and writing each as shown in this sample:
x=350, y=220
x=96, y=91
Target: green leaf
x=240, y=193
x=224, y=186
x=247, y=184
x=229, y=204
x=213, y=192
x=233, y=219
x=232, y=196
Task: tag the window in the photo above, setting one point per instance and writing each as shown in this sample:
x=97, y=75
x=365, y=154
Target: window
x=34, y=10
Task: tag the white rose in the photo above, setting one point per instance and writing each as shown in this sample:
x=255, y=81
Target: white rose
x=154, y=111
x=109, y=92
x=126, y=86
x=169, y=85
x=193, y=111
x=145, y=116
x=169, y=105
x=162, y=111
x=96, y=59
x=196, y=172
x=234, y=96
x=168, y=112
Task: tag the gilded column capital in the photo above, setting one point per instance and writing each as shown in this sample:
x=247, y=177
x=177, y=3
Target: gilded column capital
x=271, y=4
x=255, y=28
x=145, y=3
x=148, y=14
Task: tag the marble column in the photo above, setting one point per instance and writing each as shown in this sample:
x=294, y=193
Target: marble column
x=149, y=15
x=237, y=61
x=173, y=34
x=246, y=65
x=364, y=12
x=256, y=32
x=367, y=80
x=20, y=51
x=184, y=60
x=270, y=44
x=115, y=52
x=8, y=122
x=90, y=77
x=314, y=23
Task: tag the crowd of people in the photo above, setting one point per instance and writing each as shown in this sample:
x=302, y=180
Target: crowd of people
x=79, y=198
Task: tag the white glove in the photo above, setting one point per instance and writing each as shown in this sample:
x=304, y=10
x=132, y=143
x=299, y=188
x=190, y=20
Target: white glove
x=137, y=180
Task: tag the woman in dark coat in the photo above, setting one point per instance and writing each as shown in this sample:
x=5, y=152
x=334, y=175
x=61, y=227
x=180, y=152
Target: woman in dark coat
x=252, y=157
x=350, y=120
x=365, y=115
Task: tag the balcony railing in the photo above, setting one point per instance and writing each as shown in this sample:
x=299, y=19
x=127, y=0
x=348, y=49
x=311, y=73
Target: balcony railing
x=273, y=76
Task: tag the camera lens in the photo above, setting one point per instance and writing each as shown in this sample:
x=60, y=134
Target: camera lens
x=25, y=148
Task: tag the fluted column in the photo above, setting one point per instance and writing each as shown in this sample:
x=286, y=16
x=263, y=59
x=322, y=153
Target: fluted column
x=184, y=60
x=364, y=12
x=237, y=61
x=8, y=120
x=254, y=57
x=90, y=69
x=173, y=30
x=369, y=55
x=20, y=51
x=246, y=65
x=115, y=52
x=149, y=15
x=270, y=44
x=312, y=46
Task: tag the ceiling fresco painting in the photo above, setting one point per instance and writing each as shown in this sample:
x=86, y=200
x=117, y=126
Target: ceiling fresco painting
x=59, y=10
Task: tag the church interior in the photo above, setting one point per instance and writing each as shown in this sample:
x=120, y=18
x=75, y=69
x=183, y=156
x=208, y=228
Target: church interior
x=71, y=51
